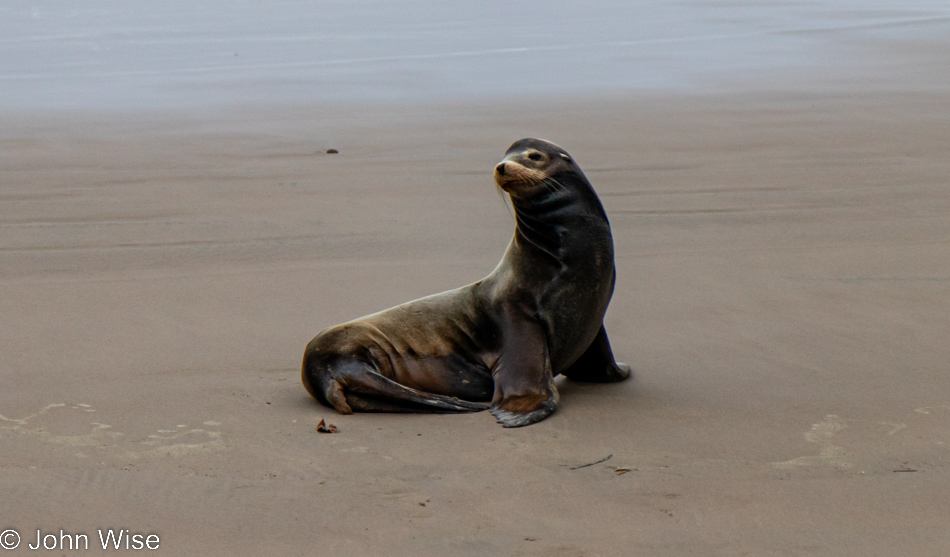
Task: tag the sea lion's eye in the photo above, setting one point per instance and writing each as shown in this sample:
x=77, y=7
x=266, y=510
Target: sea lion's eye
x=535, y=156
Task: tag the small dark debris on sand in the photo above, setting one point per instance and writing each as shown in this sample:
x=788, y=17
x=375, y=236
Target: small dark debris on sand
x=322, y=427
x=608, y=457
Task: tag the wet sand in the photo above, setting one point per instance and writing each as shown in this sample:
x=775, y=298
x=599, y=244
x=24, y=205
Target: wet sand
x=108, y=54
x=783, y=292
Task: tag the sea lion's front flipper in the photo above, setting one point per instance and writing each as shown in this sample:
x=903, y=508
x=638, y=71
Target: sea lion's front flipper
x=524, y=386
x=597, y=363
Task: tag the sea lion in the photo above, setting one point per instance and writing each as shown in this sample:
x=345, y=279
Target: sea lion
x=503, y=339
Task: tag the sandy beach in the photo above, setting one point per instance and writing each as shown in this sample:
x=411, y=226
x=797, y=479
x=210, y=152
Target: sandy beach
x=783, y=289
x=782, y=297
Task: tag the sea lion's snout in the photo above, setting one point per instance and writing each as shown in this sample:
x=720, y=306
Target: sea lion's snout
x=507, y=173
x=511, y=174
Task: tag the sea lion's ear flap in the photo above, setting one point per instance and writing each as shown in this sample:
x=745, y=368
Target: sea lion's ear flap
x=566, y=157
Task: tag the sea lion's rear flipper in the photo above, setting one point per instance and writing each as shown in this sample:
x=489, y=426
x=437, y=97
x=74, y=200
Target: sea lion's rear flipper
x=524, y=386
x=597, y=364
x=361, y=389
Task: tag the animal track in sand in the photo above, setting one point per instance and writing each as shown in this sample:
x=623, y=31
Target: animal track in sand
x=62, y=424
x=829, y=454
x=878, y=445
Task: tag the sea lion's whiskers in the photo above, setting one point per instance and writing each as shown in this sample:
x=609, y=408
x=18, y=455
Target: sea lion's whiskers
x=504, y=199
x=543, y=182
x=556, y=183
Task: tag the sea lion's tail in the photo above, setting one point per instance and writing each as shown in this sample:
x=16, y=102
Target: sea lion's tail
x=355, y=386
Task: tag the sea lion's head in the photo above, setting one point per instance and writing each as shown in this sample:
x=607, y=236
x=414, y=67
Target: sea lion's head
x=530, y=166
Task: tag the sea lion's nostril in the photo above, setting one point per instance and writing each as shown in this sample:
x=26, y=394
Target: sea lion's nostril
x=500, y=168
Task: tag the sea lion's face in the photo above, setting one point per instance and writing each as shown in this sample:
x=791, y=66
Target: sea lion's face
x=528, y=164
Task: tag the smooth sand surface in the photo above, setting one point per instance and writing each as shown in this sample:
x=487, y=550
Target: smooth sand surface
x=783, y=296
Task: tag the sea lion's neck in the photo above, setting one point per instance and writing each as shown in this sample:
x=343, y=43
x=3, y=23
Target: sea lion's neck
x=544, y=219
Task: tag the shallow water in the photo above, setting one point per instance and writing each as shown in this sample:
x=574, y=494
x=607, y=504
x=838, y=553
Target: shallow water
x=113, y=54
